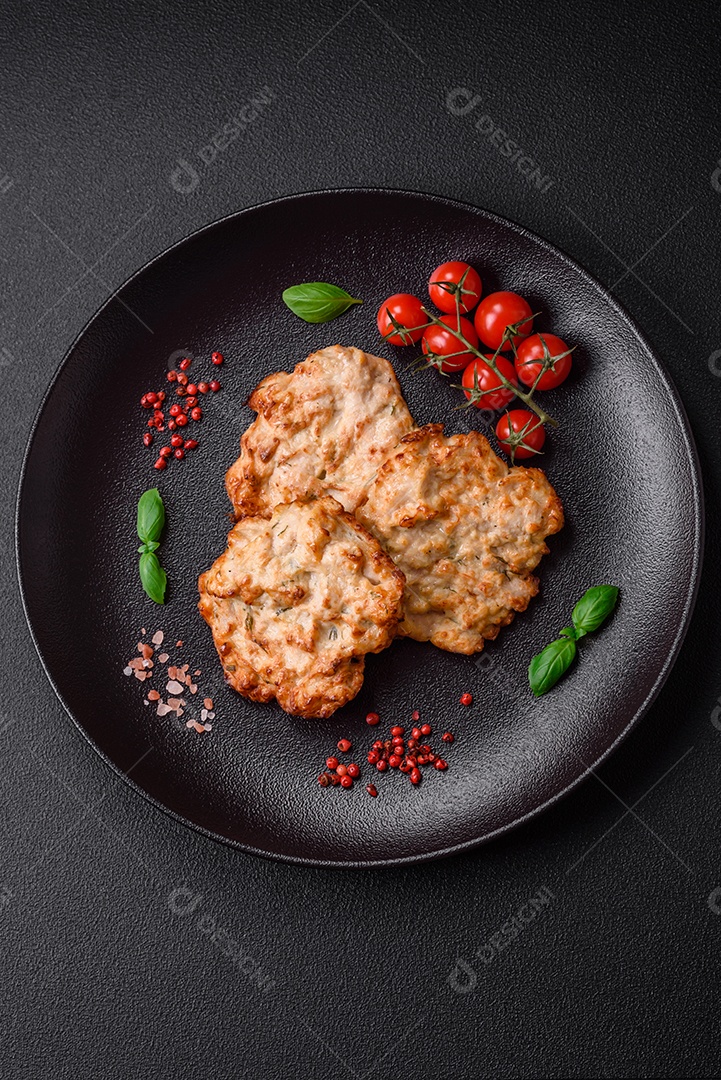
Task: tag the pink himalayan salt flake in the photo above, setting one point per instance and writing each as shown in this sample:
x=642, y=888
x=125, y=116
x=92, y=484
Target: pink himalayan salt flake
x=143, y=632
x=157, y=638
x=127, y=670
x=163, y=709
x=174, y=687
x=197, y=672
x=208, y=702
x=175, y=702
x=148, y=664
x=147, y=651
x=163, y=658
x=193, y=688
x=142, y=675
x=203, y=714
x=178, y=644
x=211, y=715
x=153, y=695
x=135, y=663
x=198, y=727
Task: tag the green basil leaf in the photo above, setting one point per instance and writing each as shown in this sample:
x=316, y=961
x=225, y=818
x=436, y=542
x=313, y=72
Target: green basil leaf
x=152, y=545
x=548, y=666
x=153, y=577
x=593, y=608
x=318, y=302
x=151, y=516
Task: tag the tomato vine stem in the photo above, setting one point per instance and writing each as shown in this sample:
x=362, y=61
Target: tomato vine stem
x=508, y=334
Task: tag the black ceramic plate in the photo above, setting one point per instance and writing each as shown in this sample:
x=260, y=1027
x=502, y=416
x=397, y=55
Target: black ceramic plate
x=622, y=461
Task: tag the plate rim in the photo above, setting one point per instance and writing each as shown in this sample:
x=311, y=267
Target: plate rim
x=669, y=661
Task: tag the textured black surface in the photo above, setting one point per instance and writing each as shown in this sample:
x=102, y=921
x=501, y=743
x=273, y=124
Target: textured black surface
x=633, y=518
x=616, y=976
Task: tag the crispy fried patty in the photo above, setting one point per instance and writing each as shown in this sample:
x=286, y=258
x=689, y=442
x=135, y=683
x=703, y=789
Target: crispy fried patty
x=465, y=529
x=323, y=429
x=295, y=603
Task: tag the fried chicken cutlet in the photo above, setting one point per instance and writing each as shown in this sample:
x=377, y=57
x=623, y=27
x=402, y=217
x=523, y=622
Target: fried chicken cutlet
x=323, y=429
x=297, y=601
x=466, y=529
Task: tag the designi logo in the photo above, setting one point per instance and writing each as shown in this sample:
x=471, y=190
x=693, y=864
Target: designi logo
x=184, y=179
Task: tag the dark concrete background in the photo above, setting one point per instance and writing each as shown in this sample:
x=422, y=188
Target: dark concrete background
x=132, y=947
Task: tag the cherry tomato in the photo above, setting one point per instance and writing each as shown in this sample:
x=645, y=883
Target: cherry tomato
x=520, y=433
x=401, y=320
x=443, y=349
x=451, y=280
x=483, y=387
x=536, y=354
x=499, y=310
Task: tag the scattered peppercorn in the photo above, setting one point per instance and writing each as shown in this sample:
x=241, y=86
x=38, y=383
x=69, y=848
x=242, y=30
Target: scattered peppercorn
x=466, y=699
x=372, y=790
x=396, y=753
x=217, y=358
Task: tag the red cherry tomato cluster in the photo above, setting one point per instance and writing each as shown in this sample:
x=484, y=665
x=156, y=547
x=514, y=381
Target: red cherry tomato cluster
x=451, y=342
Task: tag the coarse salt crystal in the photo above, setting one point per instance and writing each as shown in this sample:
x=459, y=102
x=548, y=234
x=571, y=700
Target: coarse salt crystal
x=157, y=637
x=208, y=702
x=163, y=658
x=127, y=670
x=174, y=687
